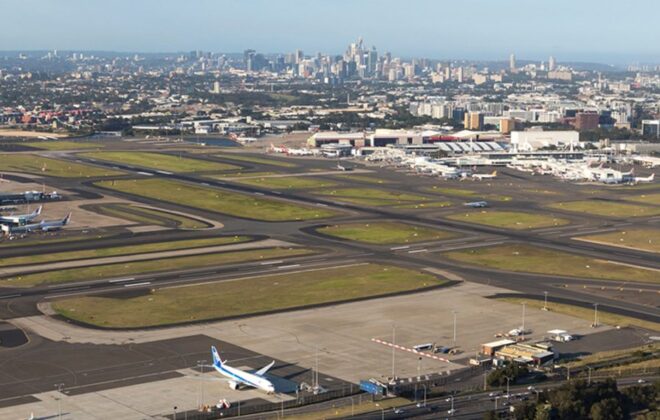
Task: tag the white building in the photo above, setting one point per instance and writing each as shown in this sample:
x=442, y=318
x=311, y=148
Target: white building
x=536, y=139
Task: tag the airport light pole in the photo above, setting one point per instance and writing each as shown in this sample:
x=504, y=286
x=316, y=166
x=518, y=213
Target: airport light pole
x=595, y=315
x=523, y=319
x=382, y=411
x=393, y=350
x=545, y=301
x=59, y=399
x=454, y=312
x=200, y=364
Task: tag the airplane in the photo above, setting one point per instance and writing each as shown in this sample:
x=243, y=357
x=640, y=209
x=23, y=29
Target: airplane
x=650, y=178
x=21, y=219
x=480, y=177
x=476, y=204
x=278, y=149
x=341, y=167
x=239, y=377
x=43, y=226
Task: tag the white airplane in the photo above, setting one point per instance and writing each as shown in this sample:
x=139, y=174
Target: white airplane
x=239, y=377
x=21, y=219
x=481, y=177
x=341, y=167
x=476, y=204
x=43, y=226
x=649, y=178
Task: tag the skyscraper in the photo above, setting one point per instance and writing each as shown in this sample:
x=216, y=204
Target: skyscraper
x=552, y=64
x=512, y=62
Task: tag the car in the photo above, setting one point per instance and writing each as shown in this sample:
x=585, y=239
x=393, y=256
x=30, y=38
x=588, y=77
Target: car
x=494, y=394
x=452, y=411
x=531, y=388
x=398, y=411
x=419, y=405
x=641, y=381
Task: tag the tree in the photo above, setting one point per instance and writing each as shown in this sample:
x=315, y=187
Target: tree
x=607, y=409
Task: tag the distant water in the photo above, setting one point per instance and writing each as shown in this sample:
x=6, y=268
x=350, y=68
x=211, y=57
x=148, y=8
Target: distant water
x=211, y=141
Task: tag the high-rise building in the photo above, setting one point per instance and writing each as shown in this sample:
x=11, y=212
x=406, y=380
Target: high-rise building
x=507, y=125
x=552, y=64
x=474, y=121
x=512, y=62
x=586, y=121
x=651, y=128
x=216, y=87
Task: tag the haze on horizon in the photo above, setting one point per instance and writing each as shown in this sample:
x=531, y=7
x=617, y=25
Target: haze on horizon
x=587, y=30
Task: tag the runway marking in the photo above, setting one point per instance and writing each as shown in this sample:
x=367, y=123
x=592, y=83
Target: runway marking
x=421, y=353
x=289, y=266
x=470, y=245
x=165, y=173
x=396, y=248
x=145, y=173
x=121, y=280
x=144, y=283
x=271, y=262
x=321, y=205
x=258, y=193
x=416, y=251
x=206, y=184
x=10, y=296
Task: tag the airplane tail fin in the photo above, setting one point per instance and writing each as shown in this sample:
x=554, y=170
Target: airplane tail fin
x=67, y=219
x=37, y=212
x=494, y=173
x=216, y=356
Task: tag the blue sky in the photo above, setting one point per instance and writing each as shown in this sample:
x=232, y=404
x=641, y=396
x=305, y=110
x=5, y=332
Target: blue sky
x=588, y=30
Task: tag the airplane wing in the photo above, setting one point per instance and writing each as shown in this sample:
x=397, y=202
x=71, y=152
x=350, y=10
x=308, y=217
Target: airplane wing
x=263, y=370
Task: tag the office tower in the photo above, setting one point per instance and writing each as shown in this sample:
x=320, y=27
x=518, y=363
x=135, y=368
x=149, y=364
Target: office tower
x=512, y=62
x=552, y=64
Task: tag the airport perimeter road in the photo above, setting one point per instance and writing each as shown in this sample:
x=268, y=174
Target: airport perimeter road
x=472, y=406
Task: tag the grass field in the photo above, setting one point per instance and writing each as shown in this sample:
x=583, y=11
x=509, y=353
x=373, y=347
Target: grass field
x=256, y=159
x=586, y=313
x=607, y=208
x=33, y=164
x=647, y=239
x=645, y=198
x=508, y=219
x=384, y=233
x=160, y=161
x=245, y=296
x=206, y=198
x=467, y=194
x=120, y=250
x=64, y=145
x=531, y=259
x=373, y=197
x=149, y=216
x=149, y=266
x=288, y=182
x=50, y=238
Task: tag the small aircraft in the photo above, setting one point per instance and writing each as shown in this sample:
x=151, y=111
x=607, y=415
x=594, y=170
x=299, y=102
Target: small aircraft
x=476, y=204
x=481, y=177
x=43, y=226
x=21, y=219
x=341, y=167
x=239, y=377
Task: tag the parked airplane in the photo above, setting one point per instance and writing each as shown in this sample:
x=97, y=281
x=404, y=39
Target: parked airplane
x=43, y=226
x=239, y=377
x=21, y=219
x=481, y=177
x=476, y=204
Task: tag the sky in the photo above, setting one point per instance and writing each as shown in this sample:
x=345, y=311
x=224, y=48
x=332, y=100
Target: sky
x=605, y=31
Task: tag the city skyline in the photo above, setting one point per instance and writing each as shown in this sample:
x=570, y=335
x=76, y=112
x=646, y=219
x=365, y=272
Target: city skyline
x=428, y=29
